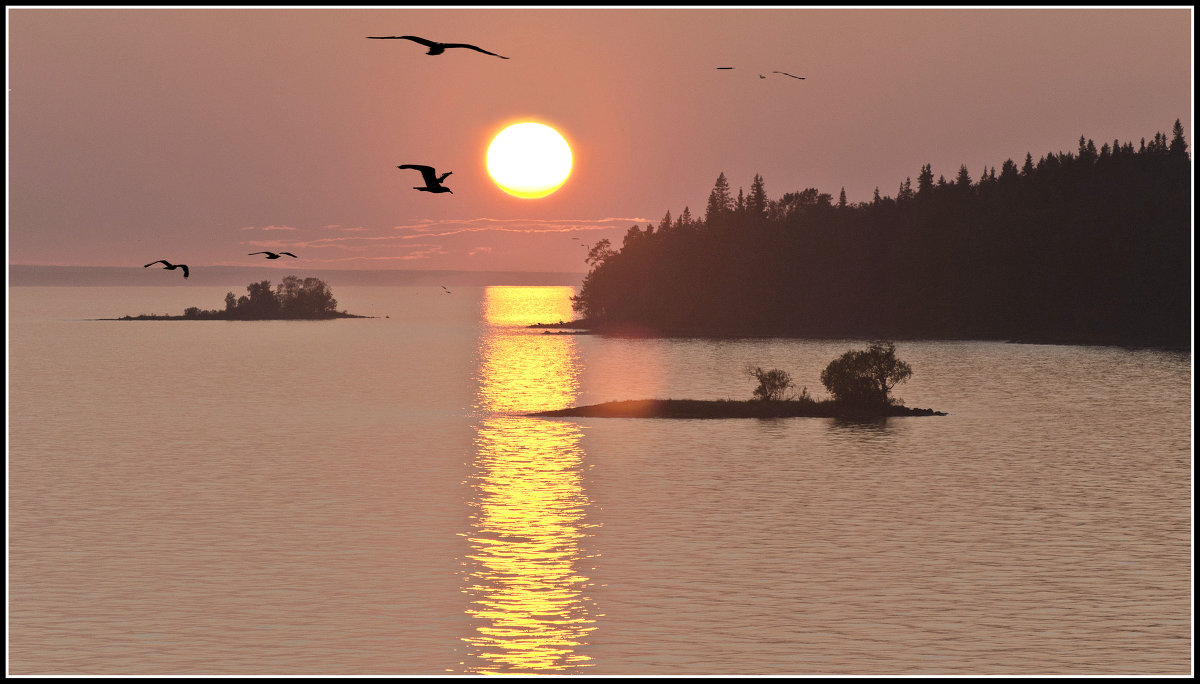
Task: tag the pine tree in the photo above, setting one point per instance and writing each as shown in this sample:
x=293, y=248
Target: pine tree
x=1178, y=144
x=684, y=221
x=842, y=198
x=925, y=180
x=756, y=203
x=720, y=203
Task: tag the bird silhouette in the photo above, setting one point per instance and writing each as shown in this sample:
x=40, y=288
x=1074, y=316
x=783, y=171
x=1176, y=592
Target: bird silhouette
x=436, y=48
x=169, y=266
x=447, y=291
x=433, y=183
x=774, y=72
x=273, y=255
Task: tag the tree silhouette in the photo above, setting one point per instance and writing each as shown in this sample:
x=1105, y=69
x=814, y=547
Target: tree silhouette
x=866, y=377
x=772, y=384
x=1094, y=251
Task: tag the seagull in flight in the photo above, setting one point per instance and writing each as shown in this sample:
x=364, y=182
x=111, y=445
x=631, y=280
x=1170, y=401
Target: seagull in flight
x=787, y=74
x=433, y=182
x=273, y=255
x=169, y=266
x=447, y=291
x=436, y=48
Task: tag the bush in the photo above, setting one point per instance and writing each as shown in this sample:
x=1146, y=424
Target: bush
x=865, y=377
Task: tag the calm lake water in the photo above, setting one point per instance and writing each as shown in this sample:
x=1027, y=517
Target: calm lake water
x=366, y=497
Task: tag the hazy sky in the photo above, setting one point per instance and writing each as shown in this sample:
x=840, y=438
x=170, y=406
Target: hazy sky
x=198, y=135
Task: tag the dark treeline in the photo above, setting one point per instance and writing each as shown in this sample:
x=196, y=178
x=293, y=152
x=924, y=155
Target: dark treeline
x=1085, y=247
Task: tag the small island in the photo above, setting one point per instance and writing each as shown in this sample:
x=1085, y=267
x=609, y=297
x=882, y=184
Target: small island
x=859, y=380
x=730, y=408
x=294, y=299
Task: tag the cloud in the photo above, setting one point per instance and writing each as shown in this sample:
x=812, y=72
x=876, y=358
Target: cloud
x=445, y=227
x=479, y=250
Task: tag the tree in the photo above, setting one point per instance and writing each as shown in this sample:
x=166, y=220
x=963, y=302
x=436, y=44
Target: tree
x=925, y=180
x=771, y=384
x=865, y=377
x=600, y=252
x=684, y=221
x=720, y=202
x=756, y=202
x=842, y=198
x=666, y=225
x=1178, y=144
x=963, y=181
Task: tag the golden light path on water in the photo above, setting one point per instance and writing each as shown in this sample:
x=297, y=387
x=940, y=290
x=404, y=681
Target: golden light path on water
x=528, y=596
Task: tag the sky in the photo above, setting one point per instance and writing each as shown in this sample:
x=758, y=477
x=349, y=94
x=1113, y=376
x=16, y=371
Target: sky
x=200, y=135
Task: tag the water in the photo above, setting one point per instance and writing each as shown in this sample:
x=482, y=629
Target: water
x=367, y=497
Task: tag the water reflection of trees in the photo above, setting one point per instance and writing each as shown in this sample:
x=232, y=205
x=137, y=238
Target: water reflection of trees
x=528, y=598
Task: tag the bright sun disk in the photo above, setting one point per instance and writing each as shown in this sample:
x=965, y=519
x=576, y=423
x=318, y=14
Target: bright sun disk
x=529, y=160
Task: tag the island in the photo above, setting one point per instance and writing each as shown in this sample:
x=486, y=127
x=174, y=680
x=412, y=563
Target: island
x=860, y=380
x=729, y=408
x=308, y=299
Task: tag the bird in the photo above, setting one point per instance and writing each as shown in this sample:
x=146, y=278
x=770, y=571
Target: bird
x=436, y=48
x=787, y=74
x=447, y=291
x=761, y=76
x=273, y=255
x=719, y=68
x=433, y=183
x=169, y=266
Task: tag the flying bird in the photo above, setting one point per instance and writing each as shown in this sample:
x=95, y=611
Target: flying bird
x=447, y=291
x=169, y=266
x=433, y=183
x=787, y=74
x=719, y=68
x=436, y=48
x=273, y=255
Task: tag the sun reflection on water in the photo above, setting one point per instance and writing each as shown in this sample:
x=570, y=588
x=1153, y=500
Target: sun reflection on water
x=529, y=600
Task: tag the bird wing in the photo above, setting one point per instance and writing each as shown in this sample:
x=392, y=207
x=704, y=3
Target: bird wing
x=443, y=176
x=185, y=269
x=426, y=171
x=160, y=261
x=787, y=74
x=472, y=47
x=290, y=254
x=415, y=39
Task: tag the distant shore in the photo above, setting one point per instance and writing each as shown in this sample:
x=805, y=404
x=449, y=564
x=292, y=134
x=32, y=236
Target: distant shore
x=728, y=408
x=583, y=326
x=154, y=317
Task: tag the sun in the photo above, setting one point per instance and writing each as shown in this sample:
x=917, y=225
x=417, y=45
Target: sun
x=529, y=160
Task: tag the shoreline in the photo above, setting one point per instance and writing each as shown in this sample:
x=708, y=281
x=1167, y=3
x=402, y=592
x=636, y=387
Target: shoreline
x=587, y=328
x=730, y=408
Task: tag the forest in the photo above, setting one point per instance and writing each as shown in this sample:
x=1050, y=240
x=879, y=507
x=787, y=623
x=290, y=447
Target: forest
x=1084, y=247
